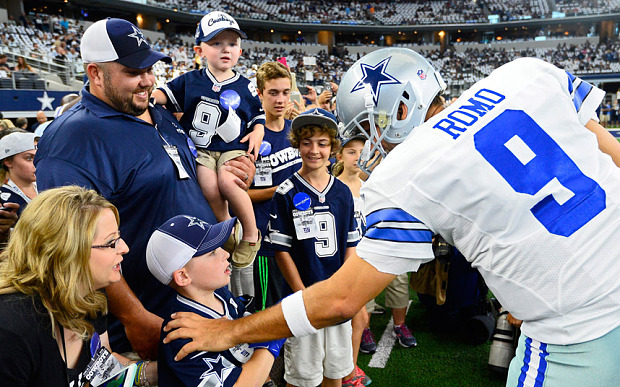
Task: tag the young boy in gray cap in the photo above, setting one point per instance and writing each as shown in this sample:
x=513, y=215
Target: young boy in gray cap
x=186, y=254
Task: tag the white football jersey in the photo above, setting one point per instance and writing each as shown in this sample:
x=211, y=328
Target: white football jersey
x=510, y=176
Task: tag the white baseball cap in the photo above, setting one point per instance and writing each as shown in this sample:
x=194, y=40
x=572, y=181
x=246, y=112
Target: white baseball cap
x=180, y=239
x=117, y=40
x=15, y=143
x=213, y=23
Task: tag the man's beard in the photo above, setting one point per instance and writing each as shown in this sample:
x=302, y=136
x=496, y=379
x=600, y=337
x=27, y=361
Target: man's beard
x=125, y=104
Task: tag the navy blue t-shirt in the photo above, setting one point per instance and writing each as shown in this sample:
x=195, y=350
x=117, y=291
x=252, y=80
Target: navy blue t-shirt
x=202, y=368
x=10, y=193
x=123, y=158
x=316, y=258
x=197, y=94
x=282, y=161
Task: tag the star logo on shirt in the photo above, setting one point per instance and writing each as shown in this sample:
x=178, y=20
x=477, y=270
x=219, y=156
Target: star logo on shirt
x=375, y=77
x=137, y=35
x=46, y=101
x=219, y=369
x=193, y=221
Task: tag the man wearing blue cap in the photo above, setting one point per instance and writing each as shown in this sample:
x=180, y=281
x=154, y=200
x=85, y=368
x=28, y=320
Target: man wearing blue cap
x=137, y=156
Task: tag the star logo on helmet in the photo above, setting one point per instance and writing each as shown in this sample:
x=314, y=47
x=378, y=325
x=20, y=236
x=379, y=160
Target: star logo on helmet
x=375, y=77
x=137, y=35
x=193, y=221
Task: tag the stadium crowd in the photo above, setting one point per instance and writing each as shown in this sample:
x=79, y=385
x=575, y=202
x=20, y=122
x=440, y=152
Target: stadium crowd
x=393, y=13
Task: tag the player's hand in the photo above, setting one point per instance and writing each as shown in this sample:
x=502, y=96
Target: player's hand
x=206, y=334
x=311, y=96
x=244, y=169
x=514, y=321
x=143, y=334
x=254, y=139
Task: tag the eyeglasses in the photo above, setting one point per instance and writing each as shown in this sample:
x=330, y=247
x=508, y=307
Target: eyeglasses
x=112, y=244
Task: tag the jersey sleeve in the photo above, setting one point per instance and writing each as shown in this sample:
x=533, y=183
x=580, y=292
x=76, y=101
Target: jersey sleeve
x=175, y=92
x=586, y=97
x=280, y=227
x=395, y=242
x=257, y=114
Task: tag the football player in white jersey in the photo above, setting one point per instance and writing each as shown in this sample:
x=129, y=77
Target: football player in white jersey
x=516, y=174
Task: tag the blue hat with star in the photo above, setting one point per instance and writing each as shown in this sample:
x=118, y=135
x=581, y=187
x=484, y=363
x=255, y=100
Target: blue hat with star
x=316, y=116
x=117, y=40
x=180, y=239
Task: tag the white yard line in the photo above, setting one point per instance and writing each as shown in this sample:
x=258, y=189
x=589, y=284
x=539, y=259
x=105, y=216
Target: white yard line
x=385, y=345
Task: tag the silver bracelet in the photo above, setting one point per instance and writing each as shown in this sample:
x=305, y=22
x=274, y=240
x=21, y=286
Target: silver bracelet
x=143, y=379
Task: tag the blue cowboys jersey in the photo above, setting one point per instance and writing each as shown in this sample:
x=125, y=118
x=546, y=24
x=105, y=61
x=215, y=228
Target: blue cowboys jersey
x=197, y=95
x=316, y=258
x=510, y=176
x=210, y=369
x=281, y=162
x=10, y=193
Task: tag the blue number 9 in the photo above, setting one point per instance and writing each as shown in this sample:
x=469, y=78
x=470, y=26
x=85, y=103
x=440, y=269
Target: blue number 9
x=549, y=161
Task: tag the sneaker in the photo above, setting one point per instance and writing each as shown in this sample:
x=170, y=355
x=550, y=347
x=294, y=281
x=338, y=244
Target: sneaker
x=353, y=382
x=362, y=375
x=368, y=344
x=404, y=336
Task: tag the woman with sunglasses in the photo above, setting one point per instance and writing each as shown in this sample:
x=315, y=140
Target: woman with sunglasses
x=64, y=250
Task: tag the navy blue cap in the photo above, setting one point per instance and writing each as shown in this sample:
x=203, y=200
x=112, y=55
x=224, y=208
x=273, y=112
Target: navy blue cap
x=215, y=22
x=181, y=238
x=316, y=116
x=117, y=40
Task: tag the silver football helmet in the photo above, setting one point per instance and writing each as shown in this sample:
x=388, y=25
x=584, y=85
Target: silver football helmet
x=371, y=91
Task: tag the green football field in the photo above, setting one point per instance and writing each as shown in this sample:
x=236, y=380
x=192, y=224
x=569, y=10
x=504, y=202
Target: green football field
x=440, y=359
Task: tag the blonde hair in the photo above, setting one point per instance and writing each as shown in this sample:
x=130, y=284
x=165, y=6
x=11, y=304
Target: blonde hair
x=338, y=168
x=268, y=71
x=48, y=256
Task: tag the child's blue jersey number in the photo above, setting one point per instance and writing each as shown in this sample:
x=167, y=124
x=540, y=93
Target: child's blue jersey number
x=546, y=162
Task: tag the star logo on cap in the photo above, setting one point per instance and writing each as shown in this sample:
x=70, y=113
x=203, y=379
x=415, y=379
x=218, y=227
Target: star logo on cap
x=193, y=221
x=137, y=35
x=375, y=77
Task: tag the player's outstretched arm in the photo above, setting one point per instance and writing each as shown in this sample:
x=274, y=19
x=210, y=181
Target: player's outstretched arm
x=327, y=303
x=606, y=142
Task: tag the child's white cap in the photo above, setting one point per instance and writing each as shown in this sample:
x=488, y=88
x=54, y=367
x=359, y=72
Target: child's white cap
x=180, y=239
x=213, y=23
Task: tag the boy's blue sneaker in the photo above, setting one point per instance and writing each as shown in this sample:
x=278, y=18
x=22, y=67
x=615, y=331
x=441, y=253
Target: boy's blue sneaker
x=368, y=344
x=404, y=336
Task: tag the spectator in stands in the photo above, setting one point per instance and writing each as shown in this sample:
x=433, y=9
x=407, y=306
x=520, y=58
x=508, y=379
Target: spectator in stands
x=62, y=253
x=22, y=123
x=22, y=65
x=135, y=154
x=41, y=118
x=17, y=172
x=4, y=65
